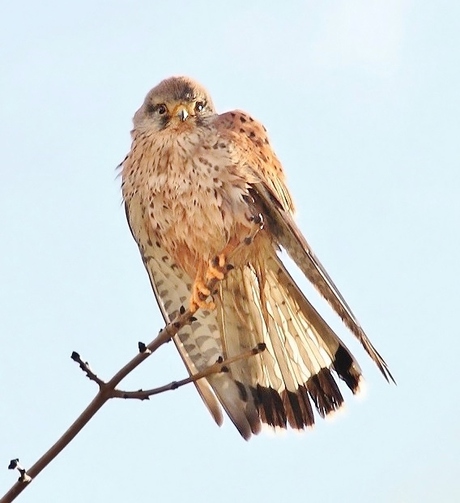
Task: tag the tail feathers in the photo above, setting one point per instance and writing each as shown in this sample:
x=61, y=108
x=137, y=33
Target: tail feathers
x=295, y=372
x=236, y=402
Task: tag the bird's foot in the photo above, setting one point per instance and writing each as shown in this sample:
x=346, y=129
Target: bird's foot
x=201, y=290
x=200, y=293
x=217, y=267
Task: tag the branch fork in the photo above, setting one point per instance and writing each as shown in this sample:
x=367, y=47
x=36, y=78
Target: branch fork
x=108, y=390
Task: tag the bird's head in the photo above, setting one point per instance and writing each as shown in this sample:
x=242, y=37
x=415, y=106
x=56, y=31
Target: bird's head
x=173, y=103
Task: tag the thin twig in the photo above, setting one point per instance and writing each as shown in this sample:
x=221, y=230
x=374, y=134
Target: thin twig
x=220, y=366
x=86, y=369
x=105, y=392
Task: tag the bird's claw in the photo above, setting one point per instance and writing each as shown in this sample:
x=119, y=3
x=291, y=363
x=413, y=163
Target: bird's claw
x=217, y=267
x=200, y=292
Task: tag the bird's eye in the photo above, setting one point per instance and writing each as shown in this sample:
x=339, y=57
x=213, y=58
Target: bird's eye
x=161, y=109
x=199, y=106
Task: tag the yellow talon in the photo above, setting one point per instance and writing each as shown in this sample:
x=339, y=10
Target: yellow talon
x=215, y=268
x=202, y=289
x=200, y=292
x=222, y=260
x=214, y=273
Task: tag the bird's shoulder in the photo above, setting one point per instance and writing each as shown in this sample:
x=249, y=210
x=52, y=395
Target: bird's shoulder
x=249, y=141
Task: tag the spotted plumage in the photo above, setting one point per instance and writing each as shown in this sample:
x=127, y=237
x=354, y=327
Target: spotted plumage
x=197, y=185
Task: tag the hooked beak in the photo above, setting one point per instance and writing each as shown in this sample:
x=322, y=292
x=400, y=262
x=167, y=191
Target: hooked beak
x=181, y=112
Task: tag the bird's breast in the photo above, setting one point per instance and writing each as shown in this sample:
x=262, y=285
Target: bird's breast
x=193, y=198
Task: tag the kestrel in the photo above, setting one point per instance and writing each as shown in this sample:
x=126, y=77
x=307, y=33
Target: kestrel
x=203, y=191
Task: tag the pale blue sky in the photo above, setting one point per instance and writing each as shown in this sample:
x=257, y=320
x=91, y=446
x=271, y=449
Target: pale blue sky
x=361, y=100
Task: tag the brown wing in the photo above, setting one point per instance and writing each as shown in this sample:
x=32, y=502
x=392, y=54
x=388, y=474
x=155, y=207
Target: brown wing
x=252, y=151
x=171, y=287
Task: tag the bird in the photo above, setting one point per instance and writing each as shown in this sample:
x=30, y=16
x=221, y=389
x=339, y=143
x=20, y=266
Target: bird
x=206, y=198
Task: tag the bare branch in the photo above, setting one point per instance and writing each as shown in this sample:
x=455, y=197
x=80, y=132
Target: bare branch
x=105, y=393
x=86, y=369
x=220, y=366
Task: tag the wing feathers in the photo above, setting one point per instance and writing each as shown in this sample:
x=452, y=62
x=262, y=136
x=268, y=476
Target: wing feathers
x=171, y=287
x=252, y=155
x=285, y=230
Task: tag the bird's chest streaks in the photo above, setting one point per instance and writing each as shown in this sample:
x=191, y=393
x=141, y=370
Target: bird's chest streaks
x=193, y=196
